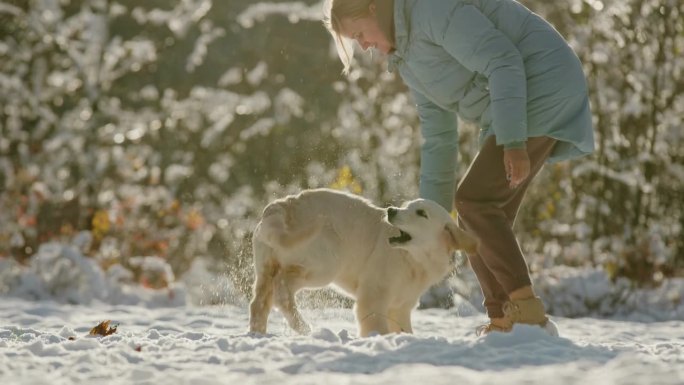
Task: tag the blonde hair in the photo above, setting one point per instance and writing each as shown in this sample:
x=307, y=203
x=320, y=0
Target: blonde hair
x=333, y=12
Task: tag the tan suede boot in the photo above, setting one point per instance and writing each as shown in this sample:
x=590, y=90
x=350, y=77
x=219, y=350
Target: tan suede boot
x=528, y=311
x=492, y=327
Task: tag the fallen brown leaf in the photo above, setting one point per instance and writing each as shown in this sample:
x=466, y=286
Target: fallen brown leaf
x=103, y=329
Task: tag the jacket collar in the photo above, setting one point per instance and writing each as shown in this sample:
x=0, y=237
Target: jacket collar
x=401, y=33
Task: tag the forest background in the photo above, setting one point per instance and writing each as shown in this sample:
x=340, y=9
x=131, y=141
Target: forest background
x=162, y=128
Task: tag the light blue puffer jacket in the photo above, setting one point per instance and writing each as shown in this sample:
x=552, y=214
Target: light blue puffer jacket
x=495, y=63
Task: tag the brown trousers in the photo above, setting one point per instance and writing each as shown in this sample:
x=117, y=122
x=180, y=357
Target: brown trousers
x=487, y=207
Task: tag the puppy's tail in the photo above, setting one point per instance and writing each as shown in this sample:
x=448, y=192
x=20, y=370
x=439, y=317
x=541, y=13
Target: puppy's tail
x=277, y=231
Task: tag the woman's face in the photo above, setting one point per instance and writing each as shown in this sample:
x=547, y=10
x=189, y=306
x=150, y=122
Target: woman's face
x=366, y=32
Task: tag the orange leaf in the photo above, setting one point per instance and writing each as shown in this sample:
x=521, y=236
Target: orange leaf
x=103, y=329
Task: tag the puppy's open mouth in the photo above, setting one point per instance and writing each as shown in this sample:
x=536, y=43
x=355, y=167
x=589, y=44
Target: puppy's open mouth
x=403, y=237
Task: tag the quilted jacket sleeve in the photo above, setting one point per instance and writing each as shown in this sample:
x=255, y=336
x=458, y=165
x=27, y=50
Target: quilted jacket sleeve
x=475, y=42
x=438, y=153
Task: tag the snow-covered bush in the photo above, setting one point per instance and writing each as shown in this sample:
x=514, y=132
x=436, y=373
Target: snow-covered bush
x=583, y=292
x=61, y=272
x=629, y=192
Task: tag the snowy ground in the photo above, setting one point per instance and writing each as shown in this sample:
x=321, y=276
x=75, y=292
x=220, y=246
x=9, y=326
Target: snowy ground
x=209, y=345
x=161, y=338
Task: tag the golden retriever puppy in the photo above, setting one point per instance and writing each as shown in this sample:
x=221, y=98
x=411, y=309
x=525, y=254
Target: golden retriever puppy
x=384, y=259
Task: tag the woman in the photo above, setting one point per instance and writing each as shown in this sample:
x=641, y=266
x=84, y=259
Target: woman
x=496, y=63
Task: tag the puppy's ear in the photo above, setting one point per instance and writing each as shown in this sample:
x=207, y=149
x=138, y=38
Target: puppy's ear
x=461, y=240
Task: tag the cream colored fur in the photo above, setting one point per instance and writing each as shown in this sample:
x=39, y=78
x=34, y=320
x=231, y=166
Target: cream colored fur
x=321, y=237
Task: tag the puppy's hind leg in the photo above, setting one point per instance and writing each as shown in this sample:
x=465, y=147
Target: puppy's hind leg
x=262, y=301
x=287, y=282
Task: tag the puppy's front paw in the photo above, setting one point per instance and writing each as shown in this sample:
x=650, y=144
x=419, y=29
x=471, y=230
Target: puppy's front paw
x=302, y=328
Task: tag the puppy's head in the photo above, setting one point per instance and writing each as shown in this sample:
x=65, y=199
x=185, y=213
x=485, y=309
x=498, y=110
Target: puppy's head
x=422, y=224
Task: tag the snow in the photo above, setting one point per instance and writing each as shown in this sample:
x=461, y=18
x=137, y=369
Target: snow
x=209, y=345
x=173, y=335
x=46, y=342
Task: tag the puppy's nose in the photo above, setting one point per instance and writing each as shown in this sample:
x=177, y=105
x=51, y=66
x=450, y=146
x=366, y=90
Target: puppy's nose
x=391, y=213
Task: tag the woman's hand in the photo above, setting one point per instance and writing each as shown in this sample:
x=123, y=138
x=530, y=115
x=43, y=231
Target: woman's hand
x=517, y=165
